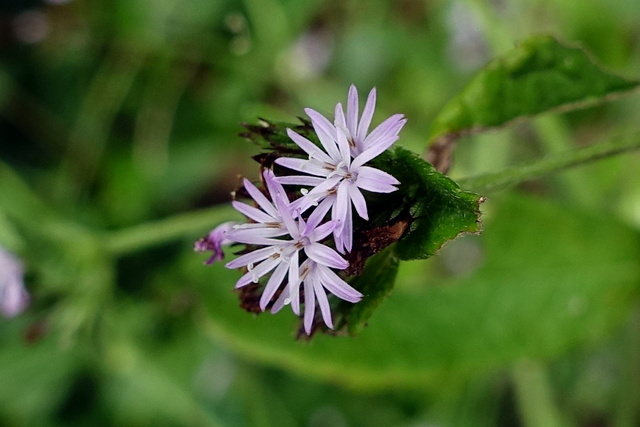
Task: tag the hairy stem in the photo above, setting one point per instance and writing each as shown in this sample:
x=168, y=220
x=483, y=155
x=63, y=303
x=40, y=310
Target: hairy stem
x=187, y=225
x=554, y=163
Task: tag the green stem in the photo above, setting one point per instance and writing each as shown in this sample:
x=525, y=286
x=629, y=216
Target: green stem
x=534, y=396
x=554, y=163
x=191, y=224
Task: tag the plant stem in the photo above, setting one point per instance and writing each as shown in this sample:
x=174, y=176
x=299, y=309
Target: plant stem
x=191, y=224
x=534, y=396
x=554, y=163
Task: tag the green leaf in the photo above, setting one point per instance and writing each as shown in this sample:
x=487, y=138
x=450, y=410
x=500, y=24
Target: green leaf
x=539, y=75
x=376, y=283
x=554, y=278
x=433, y=206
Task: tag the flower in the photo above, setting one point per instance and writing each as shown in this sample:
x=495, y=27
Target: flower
x=356, y=131
x=13, y=295
x=214, y=242
x=316, y=278
x=338, y=174
x=283, y=256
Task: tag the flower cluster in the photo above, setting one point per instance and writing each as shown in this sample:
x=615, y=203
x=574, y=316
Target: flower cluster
x=290, y=239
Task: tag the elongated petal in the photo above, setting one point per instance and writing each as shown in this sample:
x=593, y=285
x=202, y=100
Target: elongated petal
x=340, y=121
x=287, y=218
x=253, y=213
x=257, y=195
x=294, y=283
x=300, y=180
x=390, y=127
x=375, y=180
x=314, y=219
x=326, y=132
x=373, y=151
x=282, y=300
x=273, y=284
x=337, y=286
x=325, y=309
x=324, y=255
x=343, y=145
x=352, y=111
x=309, y=305
x=253, y=275
x=365, y=120
x=252, y=257
x=309, y=147
x=301, y=165
x=319, y=233
x=273, y=186
x=250, y=234
x=358, y=201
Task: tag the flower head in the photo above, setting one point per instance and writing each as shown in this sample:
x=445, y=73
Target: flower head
x=338, y=173
x=214, y=241
x=13, y=295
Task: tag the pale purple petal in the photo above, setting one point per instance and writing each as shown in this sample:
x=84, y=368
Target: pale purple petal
x=301, y=165
x=324, y=255
x=314, y=219
x=244, y=235
x=336, y=285
x=273, y=185
x=326, y=132
x=282, y=300
x=373, y=151
x=260, y=199
x=287, y=217
x=375, y=180
x=365, y=121
x=309, y=305
x=309, y=147
x=254, y=274
x=294, y=283
x=318, y=233
x=273, y=284
x=343, y=145
x=390, y=128
x=340, y=121
x=253, y=213
x=252, y=257
x=311, y=181
x=323, y=303
x=358, y=201
x=352, y=111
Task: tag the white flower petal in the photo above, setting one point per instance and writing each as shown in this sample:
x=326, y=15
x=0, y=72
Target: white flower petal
x=336, y=285
x=273, y=284
x=324, y=255
x=309, y=305
x=326, y=132
x=365, y=120
x=253, y=213
x=352, y=111
x=309, y=147
x=307, y=166
x=375, y=180
x=252, y=257
x=325, y=309
x=260, y=199
x=358, y=201
x=253, y=275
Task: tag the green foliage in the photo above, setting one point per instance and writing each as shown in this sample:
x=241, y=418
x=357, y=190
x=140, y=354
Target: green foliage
x=424, y=336
x=540, y=74
x=433, y=207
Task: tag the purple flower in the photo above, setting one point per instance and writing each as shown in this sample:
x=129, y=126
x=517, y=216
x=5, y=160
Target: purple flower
x=283, y=256
x=316, y=278
x=214, y=242
x=13, y=295
x=268, y=221
x=336, y=178
x=356, y=131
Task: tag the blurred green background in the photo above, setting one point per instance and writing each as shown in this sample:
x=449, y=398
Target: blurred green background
x=115, y=113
